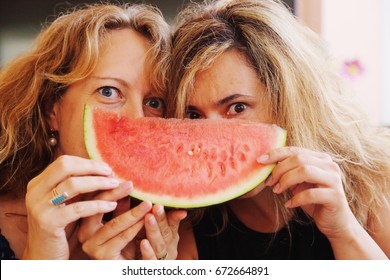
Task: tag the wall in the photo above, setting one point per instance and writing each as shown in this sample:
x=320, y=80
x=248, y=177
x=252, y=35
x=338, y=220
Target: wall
x=356, y=31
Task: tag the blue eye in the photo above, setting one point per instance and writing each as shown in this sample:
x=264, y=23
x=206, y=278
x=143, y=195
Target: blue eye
x=109, y=92
x=236, y=108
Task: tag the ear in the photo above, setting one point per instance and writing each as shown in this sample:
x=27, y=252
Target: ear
x=54, y=116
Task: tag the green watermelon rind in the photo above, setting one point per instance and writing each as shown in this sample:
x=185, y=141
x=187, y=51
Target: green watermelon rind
x=89, y=135
x=249, y=183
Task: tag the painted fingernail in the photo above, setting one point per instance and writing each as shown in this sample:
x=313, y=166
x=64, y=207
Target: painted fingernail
x=263, y=158
x=276, y=188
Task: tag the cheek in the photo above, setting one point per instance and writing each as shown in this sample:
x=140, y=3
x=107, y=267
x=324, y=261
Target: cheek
x=71, y=132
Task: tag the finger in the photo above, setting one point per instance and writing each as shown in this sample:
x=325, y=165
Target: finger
x=73, y=212
x=174, y=219
x=294, y=160
x=311, y=196
x=74, y=186
x=90, y=225
x=282, y=153
x=154, y=235
x=162, y=222
x=121, y=195
x=124, y=221
x=122, y=191
x=66, y=166
x=308, y=174
x=113, y=245
x=147, y=251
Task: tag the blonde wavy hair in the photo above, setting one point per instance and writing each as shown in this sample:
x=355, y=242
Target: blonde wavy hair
x=66, y=51
x=306, y=92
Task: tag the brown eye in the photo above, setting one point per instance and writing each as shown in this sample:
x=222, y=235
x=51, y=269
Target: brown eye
x=236, y=108
x=154, y=107
x=193, y=115
x=155, y=103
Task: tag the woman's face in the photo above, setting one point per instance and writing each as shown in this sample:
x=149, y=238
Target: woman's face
x=119, y=83
x=230, y=88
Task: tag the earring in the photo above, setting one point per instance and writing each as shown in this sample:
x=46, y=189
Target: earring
x=52, y=139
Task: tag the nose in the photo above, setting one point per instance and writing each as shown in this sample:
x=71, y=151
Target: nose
x=214, y=116
x=134, y=108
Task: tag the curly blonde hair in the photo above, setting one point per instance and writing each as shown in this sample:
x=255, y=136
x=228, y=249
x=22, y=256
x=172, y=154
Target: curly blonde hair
x=66, y=51
x=306, y=92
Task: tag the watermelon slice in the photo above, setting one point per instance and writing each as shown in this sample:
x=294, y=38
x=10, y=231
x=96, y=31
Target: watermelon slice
x=182, y=163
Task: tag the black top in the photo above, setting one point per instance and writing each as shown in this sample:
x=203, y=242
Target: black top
x=6, y=252
x=238, y=242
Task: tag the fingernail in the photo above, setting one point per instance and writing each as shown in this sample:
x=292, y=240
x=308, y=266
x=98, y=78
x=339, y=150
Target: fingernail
x=276, y=188
x=112, y=204
x=106, y=168
x=263, y=158
x=160, y=210
x=145, y=205
x=127, y=186
x=288, y=203
x=152, y=220
x=113, y=182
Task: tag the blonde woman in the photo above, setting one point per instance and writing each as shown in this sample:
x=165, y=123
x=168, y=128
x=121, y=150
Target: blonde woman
x=108, y=56
x=328, y=196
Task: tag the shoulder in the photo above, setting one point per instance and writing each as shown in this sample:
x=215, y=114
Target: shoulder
x=6, y=252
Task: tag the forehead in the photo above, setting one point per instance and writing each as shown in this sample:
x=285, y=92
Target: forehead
x=229, y=71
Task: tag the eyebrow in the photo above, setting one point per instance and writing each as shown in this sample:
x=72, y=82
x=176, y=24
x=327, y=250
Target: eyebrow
x=223, y=101
x=118, y=80
x=230, y=98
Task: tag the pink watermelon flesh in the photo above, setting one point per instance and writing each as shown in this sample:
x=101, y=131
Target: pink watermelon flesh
x=182, y=163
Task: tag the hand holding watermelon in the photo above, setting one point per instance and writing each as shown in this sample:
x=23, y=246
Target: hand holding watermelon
x=315, y=183
x=144, y=232
x=74, y=176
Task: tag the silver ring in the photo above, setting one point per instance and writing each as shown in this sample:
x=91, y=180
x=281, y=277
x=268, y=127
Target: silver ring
x=163, y=257
x=57, y=197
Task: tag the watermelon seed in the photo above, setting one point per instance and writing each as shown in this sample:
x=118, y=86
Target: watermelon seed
x=232, y=163
x=242, y=157
x=179, y=149
x=222, y=167
x=209, y=170
x=213, y=154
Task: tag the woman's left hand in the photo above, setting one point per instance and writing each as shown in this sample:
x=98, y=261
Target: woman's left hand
x=315, y=183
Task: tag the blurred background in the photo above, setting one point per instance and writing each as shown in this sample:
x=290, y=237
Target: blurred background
x=356, y=31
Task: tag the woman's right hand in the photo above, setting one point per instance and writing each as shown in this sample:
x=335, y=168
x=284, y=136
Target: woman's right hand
x=74, y=176
x=143, y=232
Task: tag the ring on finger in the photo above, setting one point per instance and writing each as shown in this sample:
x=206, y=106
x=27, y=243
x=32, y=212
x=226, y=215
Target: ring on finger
x=58, y=198
x=163, y=257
